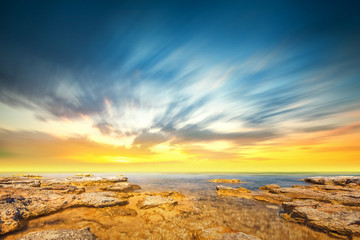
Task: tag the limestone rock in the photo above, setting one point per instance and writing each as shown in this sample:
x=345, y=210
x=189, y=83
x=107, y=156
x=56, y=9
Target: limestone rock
x=338, y=180
x=332, y=219
x=84, y=181
x=61, y=234
x=100, y=199
x=225, y=181
x=64, y=189
x=166, y=203
x=119, y=187
x=84, y=175
x=229, y=191
x=269, y=187
x=17, y=204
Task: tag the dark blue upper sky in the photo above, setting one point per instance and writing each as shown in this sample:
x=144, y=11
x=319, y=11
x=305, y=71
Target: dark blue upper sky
x=253, y=64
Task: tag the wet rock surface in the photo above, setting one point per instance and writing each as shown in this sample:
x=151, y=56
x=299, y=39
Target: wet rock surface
x=23, y=198
x=21, y=201
x=120, y=187
x=225, y=181
x=61, y=234
x=157, y=201
x=331, y=204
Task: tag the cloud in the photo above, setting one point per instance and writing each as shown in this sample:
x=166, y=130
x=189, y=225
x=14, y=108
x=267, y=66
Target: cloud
x=183, y=76
x=104, y=128
x=147, y=139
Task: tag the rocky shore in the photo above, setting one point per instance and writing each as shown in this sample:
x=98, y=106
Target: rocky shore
x=24, y=199
x=89, y=207
x=329, y=204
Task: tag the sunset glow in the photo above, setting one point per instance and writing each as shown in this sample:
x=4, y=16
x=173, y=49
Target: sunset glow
x=128, y=88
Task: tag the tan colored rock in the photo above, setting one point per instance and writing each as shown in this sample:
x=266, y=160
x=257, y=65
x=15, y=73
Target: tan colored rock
x=61, y=234
x=84, y=175
x=229, y=191
x=84, y=181
x=119, y=187
x=269, y=187
x=221, y=233
x=332, y=219
x=165, y=203
x=226, y=181
x=331, y=204
x=338, y=180
x=19, y=204
x=64, y=189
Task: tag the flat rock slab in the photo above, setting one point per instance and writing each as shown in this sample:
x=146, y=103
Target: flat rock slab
x=84, y=181
x=331, y=204
x=223, y=234
x=229, y=191
x=119, y=187
x=338, y=180
x=333, y=219
x=17, y=204
x=100, y=199
x=226, y=181
x=61, y=234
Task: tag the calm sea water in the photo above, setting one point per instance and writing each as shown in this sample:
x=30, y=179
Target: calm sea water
x=239, y=214
x=198, y=182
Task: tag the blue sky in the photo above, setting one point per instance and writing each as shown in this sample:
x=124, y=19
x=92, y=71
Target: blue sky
x=179, y=71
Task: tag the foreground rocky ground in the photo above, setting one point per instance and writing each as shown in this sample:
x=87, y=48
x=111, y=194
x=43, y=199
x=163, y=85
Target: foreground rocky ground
x=104, y=202
x=330, y=204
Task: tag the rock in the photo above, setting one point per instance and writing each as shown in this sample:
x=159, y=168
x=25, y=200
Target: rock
x=229, y=191
x=116, y=211
x=100, y=199
x=84, y=175
x=61, y=234
x=338, y=180
x=157, y=201
x=135, y=187
x=331, y=204
x=332, y=219
x=29, y=175
x=226, y=181
x=64, y=189
x=172, y=194
x=17, y=205
x=16, y=182
x=119, y=187
x=84, y=181
x=221, y=233
x=269, y=187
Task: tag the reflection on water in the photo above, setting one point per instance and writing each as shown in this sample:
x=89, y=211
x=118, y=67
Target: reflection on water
x=256, y=218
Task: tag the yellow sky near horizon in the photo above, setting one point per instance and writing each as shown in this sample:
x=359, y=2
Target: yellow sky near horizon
x=333, y=150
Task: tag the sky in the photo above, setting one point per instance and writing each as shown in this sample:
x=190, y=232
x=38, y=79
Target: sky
x=179, y=86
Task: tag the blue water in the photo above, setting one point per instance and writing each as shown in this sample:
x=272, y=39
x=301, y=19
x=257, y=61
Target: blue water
x=198, y=183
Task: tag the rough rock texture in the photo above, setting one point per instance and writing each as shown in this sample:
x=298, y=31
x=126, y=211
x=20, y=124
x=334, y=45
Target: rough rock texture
x=119, y=187
x=166, y=203
x=221, y=233
x=225, y=181
x=22, y=199
x=269, y=187
x=17, y=182
x=331, y=204
x=333, y=219
x=229, y=191
x=65, y=189
x=84, y=181
x=61, y=234
x=338, y=180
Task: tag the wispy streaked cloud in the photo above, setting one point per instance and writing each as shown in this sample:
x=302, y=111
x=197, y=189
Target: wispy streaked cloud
x=135, y=77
